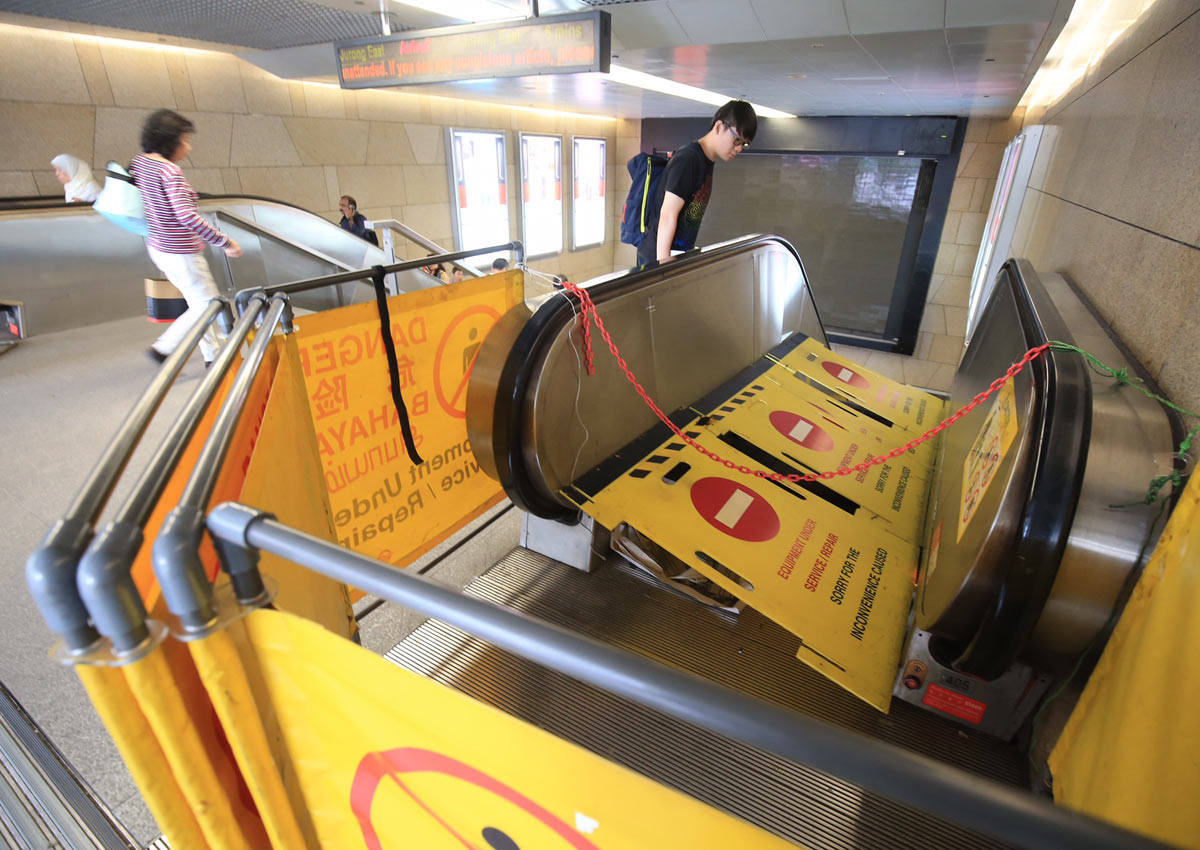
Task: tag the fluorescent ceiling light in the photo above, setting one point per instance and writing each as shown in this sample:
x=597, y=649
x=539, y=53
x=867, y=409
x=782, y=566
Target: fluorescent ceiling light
x=473, y=11
x=651, y=83
x=1092, y=28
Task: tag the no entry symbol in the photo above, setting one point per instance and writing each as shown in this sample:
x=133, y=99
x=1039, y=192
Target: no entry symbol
x=845, y=375
x=735, y=509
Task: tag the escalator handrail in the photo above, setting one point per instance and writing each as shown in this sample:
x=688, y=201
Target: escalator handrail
x=547, y=322
x=241, y=221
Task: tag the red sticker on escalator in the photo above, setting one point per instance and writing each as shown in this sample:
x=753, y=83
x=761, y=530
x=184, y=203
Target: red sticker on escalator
x=956, y=704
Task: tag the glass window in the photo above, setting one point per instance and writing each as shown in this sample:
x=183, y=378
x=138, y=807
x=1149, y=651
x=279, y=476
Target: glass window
x=588, y=209
x=481, y=193
x=541, y=195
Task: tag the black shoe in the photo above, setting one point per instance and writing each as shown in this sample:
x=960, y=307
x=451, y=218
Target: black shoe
x=155, y=355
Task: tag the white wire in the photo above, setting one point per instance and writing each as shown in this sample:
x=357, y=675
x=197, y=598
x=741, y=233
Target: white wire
x=579, y=372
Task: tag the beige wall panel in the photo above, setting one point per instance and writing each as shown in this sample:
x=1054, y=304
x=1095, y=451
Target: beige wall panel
x=332, y=190
x=324, y=102
x=47, y=184
x=216, y=82
x=427, y=184
x=181, y=83
x=428, y=143
x=261, y=140
x=41, y=67
x=299, y=102
x=117, y=134
x=32, y=133
x=977, y=130
x=1159, y=190
x=328, y=141
x=432, y=221
x=16, y=183
x=984, y=161
x=302, y=186
x=138, y=77
x=94, y=73
x=265, y=93
x=388, y=144
x=1179, y=376
x=207, y=180
x=391, y=105
x=212, y=140
x=232, y=180
x=373, y=185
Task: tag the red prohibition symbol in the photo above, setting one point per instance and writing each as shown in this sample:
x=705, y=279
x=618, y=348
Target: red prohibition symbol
x=845, y=374
x=801, y=431
x=734, y=509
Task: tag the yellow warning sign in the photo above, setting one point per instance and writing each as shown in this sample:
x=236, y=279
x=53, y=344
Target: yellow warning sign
x=390, y=765
x=910, y=408
x=991, y=445
x=805, y=431
x=841, y=583
x=384, y=505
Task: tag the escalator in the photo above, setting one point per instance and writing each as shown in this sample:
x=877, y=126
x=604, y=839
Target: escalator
x=69, y=266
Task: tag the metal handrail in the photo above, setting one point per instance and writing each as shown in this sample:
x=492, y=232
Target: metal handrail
x=367, y=274
x=412, y=236
x=242, y=221
x=50, y=570
x=973, y=802
x=104, y=579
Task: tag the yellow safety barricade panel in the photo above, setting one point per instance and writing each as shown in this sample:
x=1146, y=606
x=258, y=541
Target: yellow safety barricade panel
x=910, y=408
x=384, y=505
x=841, y=583
x=1130, y=752
x=409, y=763
x=804, y=430
x=283, y=477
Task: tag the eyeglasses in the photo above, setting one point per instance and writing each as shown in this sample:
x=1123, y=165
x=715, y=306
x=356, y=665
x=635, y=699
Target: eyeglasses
x=738, y=141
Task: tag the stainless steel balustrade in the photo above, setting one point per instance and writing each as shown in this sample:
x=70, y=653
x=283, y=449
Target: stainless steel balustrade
x=944, y=792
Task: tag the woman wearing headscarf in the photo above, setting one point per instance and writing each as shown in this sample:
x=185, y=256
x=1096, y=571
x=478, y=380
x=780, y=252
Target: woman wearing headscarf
x=177, y=231
x=76, y=177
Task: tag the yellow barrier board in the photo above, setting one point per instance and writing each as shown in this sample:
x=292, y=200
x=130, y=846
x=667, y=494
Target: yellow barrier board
x=409, y=763
x=910, y=408
x=1130, y=752
x=841, y=583
x=283, y=478
x=803, y=431
x=991, y=444
x=384, y=505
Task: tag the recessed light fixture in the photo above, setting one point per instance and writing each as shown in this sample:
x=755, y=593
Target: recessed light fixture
x=797, y=76
x=817, y=44
x=989, y=60
x=630, y=77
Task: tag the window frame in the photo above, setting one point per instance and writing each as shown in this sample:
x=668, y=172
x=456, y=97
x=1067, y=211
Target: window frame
x=573, y=246
x=521, y=170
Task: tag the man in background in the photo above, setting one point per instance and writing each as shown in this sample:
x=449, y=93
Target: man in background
x=681, y=197
x=354, y=221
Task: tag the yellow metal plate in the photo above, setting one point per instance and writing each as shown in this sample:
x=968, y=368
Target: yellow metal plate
x=841, y=583
x=910, y=408
x=803, y=430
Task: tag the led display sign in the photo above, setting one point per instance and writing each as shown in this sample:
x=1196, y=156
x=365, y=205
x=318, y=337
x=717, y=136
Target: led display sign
x=556, y=44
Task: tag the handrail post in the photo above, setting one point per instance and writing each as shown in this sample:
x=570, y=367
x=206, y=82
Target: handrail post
x=50, y=571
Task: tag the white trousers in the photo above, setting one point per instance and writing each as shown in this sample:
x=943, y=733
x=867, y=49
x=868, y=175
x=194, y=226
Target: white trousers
x=190, y=275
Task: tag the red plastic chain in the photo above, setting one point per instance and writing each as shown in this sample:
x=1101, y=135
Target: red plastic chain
x=589, y=313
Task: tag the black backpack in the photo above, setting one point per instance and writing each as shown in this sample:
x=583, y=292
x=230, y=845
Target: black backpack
x=647, y=170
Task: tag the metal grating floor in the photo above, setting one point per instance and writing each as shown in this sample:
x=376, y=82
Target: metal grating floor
x=751, y=654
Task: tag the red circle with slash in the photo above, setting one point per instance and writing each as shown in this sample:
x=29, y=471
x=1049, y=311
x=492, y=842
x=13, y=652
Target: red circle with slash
x=845, y=375
x=801, y=431
x=735, y=509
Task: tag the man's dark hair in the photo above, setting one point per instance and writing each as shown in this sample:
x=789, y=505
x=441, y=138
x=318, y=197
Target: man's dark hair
x=499, y=264
x=739, y=115
x=162, y=131
x=354, y=204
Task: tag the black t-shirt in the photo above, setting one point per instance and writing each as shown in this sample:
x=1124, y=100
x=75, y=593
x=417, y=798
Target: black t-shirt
x=689, y=175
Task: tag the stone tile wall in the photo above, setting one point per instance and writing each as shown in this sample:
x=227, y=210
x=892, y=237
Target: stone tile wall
x=257, y=134
x=1114, y=200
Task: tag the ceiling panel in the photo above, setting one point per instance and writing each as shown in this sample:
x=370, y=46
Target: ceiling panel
x=980, y=13
x=801, y=18
x=640, y=25
x=868, y=16
x=717, y=21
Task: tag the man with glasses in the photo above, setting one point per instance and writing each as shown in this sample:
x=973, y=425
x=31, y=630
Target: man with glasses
x=682, y=195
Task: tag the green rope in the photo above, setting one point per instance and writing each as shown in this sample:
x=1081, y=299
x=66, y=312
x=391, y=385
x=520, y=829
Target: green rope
x=1122, y=377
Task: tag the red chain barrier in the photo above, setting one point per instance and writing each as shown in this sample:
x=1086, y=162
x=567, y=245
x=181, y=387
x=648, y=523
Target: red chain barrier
x=588, y=313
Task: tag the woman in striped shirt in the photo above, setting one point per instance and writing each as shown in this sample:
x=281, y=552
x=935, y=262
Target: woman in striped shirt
x=177, y=232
